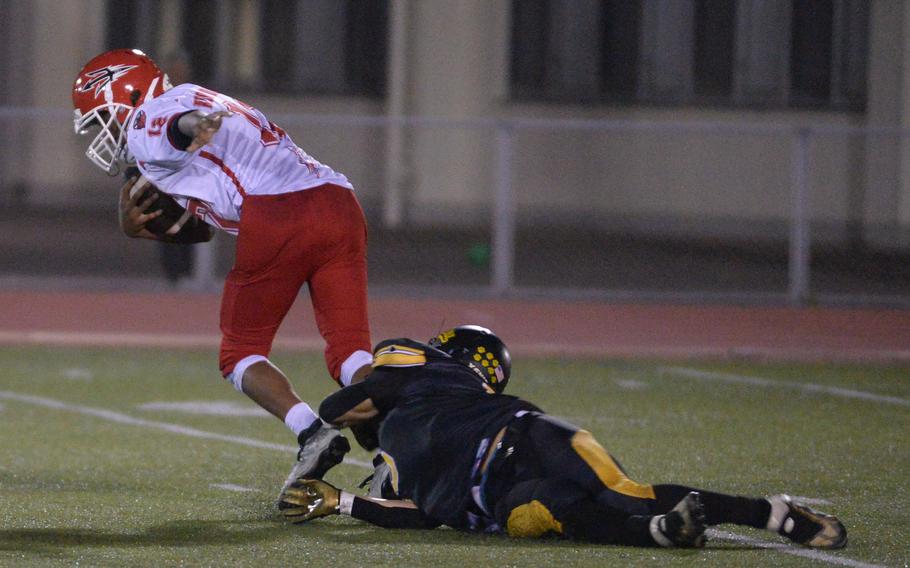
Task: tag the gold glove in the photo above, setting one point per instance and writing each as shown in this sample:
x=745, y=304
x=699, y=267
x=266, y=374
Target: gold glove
x=308, y=499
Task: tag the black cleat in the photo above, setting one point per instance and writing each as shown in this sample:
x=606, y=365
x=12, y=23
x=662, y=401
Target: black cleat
x=684, y=526
x=805, y=526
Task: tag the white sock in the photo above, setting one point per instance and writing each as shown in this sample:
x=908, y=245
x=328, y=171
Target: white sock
x=657, y=534
x=299, y=417
x=779, y=510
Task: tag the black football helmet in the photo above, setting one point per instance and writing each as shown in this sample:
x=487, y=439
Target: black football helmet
x=480, y=350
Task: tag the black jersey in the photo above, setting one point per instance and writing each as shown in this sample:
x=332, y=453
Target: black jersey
x=438, y=416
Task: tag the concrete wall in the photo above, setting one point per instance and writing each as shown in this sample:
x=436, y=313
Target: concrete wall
x=456, y=68
x=65, y=36
x=887, y=189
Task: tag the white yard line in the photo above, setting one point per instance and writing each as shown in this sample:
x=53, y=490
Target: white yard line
x=208, y=408
x=809, y=553
x=760, y=382
x=811, y=500
x=121, y=418
x=232, y=487
x=77, y=374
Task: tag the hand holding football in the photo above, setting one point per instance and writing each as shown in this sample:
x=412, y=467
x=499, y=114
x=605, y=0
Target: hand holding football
x=148, y=200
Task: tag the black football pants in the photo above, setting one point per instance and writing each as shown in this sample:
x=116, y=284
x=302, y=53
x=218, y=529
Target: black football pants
x=552, y=477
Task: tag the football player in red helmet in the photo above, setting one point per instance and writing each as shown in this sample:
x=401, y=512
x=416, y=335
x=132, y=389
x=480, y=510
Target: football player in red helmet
x=105, y=93
x=301, y=222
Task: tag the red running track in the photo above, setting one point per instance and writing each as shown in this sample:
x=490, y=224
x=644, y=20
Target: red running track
x=538, y=327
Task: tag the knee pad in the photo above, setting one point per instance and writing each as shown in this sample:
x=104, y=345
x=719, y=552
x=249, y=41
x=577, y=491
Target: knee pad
x=236, y=375
x=352, y=364
x=536, y=507
x=532, y=520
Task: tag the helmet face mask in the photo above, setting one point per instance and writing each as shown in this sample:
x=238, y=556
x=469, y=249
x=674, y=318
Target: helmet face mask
x=480, y=350
x=107, y=150
x=105, y=93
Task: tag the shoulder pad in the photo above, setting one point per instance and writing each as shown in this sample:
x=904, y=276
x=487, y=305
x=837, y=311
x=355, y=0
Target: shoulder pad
x=399, y=353
x=404, y=352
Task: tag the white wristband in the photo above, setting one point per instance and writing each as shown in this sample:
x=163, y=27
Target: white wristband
x=345, y=503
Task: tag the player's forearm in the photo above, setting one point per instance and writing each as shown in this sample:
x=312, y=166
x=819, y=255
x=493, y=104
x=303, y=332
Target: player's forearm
x=390, y=514
x=350, y=405
x=360, y=414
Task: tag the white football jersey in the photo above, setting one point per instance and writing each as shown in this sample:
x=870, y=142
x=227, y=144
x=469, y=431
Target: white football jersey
x=249, y=155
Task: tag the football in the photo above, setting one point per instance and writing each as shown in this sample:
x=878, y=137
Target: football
x=172, y=217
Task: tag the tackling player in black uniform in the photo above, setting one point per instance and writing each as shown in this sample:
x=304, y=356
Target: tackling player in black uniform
x=461, y=453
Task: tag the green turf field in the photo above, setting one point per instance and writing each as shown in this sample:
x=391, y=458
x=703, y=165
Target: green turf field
x=91, y=475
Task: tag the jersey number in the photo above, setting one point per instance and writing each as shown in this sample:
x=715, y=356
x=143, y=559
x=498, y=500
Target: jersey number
x=157, y=126
x=269, y=133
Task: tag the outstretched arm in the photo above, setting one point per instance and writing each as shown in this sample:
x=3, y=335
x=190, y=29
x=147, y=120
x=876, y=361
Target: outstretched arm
x=309, y=499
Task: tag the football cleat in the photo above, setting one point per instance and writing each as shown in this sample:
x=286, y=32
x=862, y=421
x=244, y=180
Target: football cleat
x=380, y=481
x=682, y=527
x=805, y=526
x=321, y=448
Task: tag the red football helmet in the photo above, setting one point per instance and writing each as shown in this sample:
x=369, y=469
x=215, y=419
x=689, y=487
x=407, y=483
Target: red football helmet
x=105, y=93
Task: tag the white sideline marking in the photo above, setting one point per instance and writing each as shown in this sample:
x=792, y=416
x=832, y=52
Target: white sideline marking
x=789, y=549
x=232, y=487
x=758, y=381
x=206, y=407
x=121, y=418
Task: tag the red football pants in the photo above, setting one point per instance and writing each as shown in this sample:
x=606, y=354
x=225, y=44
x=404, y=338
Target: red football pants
x=315, y=236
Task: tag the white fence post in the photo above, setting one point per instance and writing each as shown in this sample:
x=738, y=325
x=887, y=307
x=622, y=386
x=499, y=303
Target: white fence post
x=397, y=162
x=800, y=238
x=503, y=214
x=203, y=278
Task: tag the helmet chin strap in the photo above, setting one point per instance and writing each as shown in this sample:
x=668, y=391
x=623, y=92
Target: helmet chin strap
x=123, y=153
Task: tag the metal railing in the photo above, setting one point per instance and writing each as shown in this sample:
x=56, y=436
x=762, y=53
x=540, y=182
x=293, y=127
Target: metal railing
x=504, y=225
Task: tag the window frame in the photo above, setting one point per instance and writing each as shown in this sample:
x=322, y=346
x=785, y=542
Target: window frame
x=762, y=74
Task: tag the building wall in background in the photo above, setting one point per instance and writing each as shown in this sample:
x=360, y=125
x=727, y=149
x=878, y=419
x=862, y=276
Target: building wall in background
x=457, y=67
x=887, y=182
